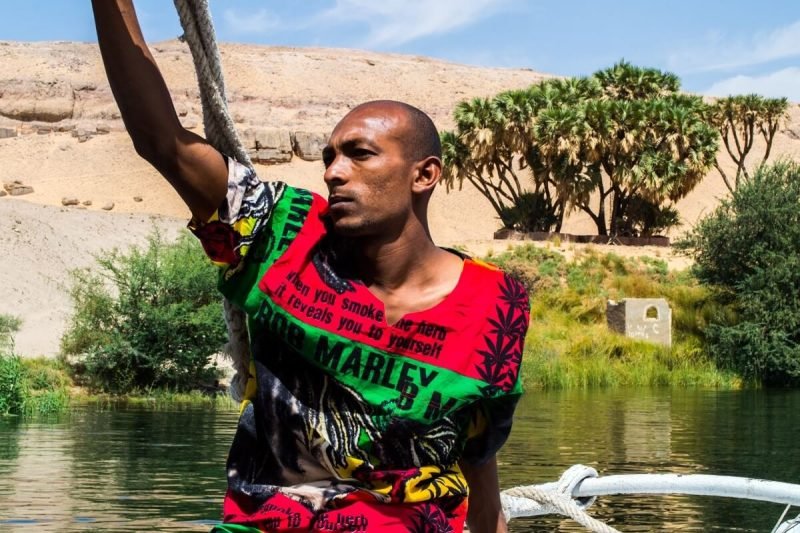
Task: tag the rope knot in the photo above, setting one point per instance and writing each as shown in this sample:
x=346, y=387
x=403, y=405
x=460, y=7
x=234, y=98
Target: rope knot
x=555, y=498
x=571, y=479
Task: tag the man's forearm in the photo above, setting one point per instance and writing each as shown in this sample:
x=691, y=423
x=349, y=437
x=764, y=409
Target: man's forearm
x=485, y=512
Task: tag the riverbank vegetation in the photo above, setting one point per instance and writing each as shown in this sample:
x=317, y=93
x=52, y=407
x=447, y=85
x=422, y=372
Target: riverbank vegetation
x=36, y=387
x=28, y=386
x=569, y=344
x=155, y=302
x=155, y=399
x=146, y=319
x=147, y=322
x=749, y=250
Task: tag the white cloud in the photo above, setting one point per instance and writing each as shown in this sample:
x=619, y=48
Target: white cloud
x=785, y=82
x=717, y=53
x=394, y=22
x=258, y=22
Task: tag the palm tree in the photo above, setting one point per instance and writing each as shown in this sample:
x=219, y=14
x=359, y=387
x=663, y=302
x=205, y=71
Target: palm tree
x=459, y=165
x=541, y=126
x=642, y=140
x=739, y=119
x=624, y=81
x=479, y=151
x=623, y=135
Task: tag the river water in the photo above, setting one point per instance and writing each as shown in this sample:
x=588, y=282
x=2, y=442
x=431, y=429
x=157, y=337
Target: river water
x=139, y=470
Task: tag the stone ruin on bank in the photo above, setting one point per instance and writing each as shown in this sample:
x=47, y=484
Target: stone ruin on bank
x=648, y=319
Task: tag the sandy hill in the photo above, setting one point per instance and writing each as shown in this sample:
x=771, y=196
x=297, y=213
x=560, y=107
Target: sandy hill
x=60, y=134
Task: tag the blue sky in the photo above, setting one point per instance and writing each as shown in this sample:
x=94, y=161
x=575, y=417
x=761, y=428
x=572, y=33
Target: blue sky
x=716, y=47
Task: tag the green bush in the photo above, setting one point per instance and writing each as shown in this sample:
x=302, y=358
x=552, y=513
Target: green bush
x=149, y=318
x=46, y=374
x=533, y=211
x=533, y=266
x=749, y=249
x=644, y=218
x=47, y=386
x=32, y=386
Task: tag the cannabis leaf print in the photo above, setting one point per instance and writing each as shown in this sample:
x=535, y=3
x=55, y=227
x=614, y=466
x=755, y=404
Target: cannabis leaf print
x=513, y=293
x=501, y=354
x=429, y=519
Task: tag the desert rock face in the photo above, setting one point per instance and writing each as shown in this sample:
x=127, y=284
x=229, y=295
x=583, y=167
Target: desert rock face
x=267, y=145
x=61, y=137
x=35, y=100
x=308, y=146
x=286, y=88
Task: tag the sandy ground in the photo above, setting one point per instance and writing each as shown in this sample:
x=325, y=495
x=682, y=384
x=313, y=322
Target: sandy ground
x=308, y=90
x=39, y=247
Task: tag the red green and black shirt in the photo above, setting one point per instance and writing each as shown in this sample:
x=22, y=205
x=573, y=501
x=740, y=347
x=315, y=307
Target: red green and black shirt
x=341, y=405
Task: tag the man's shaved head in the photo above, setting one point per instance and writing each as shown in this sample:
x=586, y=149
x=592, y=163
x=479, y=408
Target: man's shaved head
x=421, y=140
x=382, y=162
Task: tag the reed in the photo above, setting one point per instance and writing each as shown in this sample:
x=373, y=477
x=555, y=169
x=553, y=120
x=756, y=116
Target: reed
x=32, y=387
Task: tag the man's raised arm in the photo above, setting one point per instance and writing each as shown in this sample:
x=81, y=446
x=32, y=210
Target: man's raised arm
x=193, y=167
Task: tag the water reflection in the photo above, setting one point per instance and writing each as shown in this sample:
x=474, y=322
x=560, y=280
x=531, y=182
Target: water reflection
x=752, y=433
x=122, y=470
x=135, y=470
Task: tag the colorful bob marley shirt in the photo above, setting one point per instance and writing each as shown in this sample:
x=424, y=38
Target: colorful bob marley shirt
x=343, y=410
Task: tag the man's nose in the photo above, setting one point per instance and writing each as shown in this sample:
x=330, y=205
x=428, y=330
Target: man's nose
x=335, y=172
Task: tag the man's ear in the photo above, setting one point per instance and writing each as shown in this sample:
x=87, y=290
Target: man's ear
x=428, y=173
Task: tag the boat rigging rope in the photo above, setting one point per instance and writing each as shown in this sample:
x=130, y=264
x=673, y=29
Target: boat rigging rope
x=555, y=503
x=555, y=498
x=220, y=131
x=199, y=34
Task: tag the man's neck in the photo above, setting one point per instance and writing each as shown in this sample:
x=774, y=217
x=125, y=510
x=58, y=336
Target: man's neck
x=408, y=273
x=391, y=264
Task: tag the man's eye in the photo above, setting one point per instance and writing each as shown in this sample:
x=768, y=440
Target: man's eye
x=362, y=153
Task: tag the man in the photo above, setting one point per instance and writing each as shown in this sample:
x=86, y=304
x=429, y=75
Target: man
x=384, y=371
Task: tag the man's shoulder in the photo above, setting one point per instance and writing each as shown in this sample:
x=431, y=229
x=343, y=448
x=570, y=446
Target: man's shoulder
x=489, y=271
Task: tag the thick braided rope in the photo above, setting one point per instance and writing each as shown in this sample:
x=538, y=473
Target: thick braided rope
x=560, y=504
x=221, y=133
x=555, y=498
x=209, y=74
x=199, y=33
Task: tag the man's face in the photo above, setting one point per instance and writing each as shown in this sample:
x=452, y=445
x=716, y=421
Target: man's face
x=368, y=175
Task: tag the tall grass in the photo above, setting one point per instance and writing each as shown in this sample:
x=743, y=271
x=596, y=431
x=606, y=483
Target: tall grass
x=569, y=344
x=28, y=386
x=47, y=382
x=13, y=390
